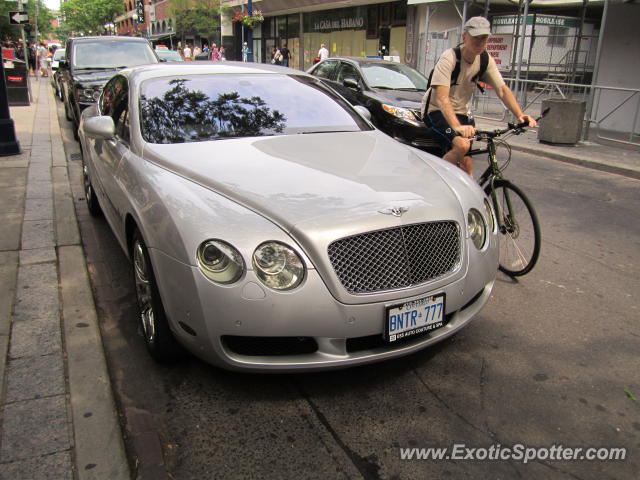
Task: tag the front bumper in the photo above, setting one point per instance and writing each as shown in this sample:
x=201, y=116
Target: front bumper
x=223, y=325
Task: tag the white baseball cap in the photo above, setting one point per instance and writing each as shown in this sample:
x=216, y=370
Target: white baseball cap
x=476, y=26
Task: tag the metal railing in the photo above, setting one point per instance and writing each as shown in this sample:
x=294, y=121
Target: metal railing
x=597, y=112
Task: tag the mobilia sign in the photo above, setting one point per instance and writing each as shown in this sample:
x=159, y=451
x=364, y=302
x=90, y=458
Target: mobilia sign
x=552, y=20
x=331, y=20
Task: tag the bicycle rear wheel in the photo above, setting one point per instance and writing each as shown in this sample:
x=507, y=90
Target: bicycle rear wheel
x=519, y=226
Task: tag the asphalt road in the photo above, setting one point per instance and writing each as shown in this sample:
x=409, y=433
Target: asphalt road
x=551, y=360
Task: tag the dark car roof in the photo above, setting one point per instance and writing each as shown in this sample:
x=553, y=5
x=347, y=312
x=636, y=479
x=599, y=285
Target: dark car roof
x=106, y=38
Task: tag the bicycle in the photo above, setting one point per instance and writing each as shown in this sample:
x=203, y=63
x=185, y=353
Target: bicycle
x=515, y=217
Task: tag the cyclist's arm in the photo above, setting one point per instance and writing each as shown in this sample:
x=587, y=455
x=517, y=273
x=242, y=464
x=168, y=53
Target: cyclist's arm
x=444, y=103
x=506, y=95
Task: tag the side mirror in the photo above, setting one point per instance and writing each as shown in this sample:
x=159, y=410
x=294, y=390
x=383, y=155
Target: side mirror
x=364, y=111
x=351, y=83
x=99, y=127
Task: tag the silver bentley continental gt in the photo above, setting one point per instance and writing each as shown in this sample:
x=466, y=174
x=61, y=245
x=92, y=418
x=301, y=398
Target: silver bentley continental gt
x=271, y=227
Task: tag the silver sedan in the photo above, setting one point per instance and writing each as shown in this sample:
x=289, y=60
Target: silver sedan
x=270, y=226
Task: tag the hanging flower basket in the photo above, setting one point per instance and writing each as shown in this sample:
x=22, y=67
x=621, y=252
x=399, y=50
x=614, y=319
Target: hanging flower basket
x=251, y=21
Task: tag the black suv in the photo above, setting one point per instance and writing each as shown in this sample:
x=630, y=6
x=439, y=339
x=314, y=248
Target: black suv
x=91, y=62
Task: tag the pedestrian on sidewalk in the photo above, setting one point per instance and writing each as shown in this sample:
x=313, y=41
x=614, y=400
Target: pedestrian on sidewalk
x=445, y=105
x=41, y=56
x=186, y=53
x=245, y=52
x=323, y=53
x=286, y=55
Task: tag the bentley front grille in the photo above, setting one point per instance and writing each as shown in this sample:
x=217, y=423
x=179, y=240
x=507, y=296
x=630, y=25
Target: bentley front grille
x=397, y=257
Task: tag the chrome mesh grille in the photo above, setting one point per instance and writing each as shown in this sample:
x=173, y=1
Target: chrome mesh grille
x=397, y=257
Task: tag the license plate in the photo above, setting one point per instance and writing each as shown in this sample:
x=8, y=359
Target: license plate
x=414, y=317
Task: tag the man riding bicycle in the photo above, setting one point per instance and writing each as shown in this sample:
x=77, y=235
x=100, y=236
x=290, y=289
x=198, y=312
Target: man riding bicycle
x=445, y=106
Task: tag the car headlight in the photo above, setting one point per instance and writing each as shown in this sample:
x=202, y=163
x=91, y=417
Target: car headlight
x=403, y=113
x=219, y=261
x=278, y=266
x=490, y=216
x=89, y=94
x=476, y=228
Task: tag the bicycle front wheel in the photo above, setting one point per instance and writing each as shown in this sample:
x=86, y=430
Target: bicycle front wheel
x=519, y=228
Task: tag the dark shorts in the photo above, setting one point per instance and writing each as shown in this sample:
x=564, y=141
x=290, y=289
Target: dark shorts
x=441, y=128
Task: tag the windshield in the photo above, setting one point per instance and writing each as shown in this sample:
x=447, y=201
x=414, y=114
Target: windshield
x=196, y=108
x=112, y=54
x=393, y=76
x=58, y=55
x=169, y=55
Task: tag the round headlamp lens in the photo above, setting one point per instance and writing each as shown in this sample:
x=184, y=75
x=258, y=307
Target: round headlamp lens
x=219, y=261
x=476, y=228
x=278, y=266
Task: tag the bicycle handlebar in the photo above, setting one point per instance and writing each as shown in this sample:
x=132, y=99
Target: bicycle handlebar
x=517, y=129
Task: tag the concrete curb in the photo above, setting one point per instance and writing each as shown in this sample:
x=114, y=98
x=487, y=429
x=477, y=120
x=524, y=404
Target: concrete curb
x=582, y=162
x=606, y=158
x=99, y=449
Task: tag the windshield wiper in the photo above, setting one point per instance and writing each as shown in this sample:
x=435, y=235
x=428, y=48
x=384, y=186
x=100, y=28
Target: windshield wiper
x=383, y=87
x=97, y=68
x=410, y=89
x=327, y=131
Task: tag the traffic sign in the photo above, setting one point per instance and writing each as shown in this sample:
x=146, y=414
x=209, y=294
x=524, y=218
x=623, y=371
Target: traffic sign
x=18, y=18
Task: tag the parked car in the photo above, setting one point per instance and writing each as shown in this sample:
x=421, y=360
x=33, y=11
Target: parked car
x=90, y=62
x=168, y=55
x=391, y=91
x=271, y=227
x=54, y=71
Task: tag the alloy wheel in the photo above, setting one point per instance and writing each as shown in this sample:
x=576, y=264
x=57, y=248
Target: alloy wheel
x=143, y=292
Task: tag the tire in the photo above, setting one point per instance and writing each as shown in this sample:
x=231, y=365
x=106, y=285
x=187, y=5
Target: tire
x=520, y=230
x=89, y=193
x=160, y=342
x=67, y=111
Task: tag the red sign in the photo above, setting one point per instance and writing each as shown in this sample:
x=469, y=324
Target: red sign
x=8, y=53
x=11, y=78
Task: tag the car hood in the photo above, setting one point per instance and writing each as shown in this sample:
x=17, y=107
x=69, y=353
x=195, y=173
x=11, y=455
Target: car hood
x=94, y=77
x=399, y=98
x=318, y=182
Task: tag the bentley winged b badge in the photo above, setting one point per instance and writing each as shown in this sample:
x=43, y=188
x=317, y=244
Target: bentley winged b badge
x=395, y=211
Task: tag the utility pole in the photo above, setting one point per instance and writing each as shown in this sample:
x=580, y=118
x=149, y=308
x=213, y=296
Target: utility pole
x=22, y=8
x=250, y=33
x=35, y=23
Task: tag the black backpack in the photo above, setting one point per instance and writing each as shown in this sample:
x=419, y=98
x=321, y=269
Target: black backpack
x=484, y=63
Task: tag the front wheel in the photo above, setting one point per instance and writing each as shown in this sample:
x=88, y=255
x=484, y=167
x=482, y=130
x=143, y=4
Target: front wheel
x=89, y=193
x=161, y=343
x=518, y=224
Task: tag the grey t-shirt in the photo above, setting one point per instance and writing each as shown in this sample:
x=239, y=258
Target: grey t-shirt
x=461, y=93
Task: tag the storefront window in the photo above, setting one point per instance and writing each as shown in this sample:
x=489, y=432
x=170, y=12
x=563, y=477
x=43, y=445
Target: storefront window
x=353, y=31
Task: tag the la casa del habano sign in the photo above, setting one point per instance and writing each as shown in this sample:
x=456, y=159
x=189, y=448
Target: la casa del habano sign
x=338, y=24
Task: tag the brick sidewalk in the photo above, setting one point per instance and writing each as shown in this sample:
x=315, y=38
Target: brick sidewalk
x=59, y=419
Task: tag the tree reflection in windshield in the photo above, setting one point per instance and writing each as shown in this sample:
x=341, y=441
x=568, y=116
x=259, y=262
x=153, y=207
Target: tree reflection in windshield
x=182, y=115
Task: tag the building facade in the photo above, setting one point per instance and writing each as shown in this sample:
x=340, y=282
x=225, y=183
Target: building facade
x=347, y=28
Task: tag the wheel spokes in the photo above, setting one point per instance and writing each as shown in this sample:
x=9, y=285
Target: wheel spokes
x=143, y=292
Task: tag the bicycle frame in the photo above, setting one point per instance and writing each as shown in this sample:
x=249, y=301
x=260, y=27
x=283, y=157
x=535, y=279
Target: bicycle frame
x=488, y=177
